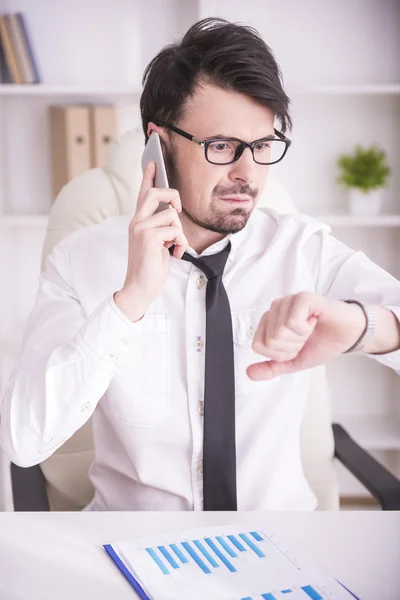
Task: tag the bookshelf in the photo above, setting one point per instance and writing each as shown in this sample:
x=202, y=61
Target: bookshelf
x=336, y=102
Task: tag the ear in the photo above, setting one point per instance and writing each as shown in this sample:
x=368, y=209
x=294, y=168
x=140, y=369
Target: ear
x=153, y=127
x=162, y=132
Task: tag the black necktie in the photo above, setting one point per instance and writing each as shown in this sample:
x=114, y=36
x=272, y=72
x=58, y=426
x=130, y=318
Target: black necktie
x=219, y=448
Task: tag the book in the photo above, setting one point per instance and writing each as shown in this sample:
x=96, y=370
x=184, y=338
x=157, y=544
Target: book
x=35, y=78
x=9, y=52
x=223, y=563
x=5, y=75
x=18, y=64
x=20, y=48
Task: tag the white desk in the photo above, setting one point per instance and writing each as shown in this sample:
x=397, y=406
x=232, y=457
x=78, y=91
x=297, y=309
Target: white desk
x=59, y=556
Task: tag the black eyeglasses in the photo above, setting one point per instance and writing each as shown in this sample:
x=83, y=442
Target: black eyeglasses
x=225, y=151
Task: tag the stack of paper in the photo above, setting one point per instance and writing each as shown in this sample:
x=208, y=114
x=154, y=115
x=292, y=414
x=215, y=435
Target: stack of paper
x=223, y=563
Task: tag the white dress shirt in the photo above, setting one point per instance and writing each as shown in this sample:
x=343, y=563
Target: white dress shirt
x=144, y=382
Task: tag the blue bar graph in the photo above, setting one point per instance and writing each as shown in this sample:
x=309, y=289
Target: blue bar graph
x=226, y=546
x=206, y=553
x=220, y=555
x=312, y=593
x=168, y=557
x=175, y=548
x=213, y=552
x=251, y=545
x=157, y=560
x=236, y=543
x=196, y=557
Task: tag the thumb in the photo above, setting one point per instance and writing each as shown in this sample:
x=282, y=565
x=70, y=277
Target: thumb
x=270, y=368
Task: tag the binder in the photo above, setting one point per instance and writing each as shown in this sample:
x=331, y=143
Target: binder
x=125, y=571
x=70, y=148
x=103, y=127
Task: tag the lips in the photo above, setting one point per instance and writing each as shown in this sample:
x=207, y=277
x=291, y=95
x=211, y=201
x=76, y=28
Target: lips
x=236, y=199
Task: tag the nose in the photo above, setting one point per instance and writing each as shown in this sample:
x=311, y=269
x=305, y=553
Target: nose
x=244, y=169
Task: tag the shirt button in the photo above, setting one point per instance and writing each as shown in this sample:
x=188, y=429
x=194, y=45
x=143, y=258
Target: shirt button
x=126, y=342
x=199, y=344
x=86, y=407
x=200, y=468
x=250, y=333
x=115, y=358
x=201, y=282
x=201, y=408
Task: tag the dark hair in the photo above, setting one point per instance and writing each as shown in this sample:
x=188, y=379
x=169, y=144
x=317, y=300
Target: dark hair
x=232, y=56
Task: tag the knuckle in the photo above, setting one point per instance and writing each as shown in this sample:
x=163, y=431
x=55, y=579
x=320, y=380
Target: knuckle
x=275, y=303
x=134, y=226
x=258, y=345
x=304, y=296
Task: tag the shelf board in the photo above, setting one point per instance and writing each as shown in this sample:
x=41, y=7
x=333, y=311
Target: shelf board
x=375, y=89
x=373, y=432
x=45, y=89
x=24, y=221
x=345, y=220
x=42, y=89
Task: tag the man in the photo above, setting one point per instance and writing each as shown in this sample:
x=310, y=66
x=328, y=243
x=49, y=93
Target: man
x=192, y=330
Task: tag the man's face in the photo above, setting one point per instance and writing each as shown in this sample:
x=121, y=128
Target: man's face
x=219, y=198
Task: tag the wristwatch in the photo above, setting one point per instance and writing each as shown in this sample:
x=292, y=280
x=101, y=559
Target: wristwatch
x=370, y=327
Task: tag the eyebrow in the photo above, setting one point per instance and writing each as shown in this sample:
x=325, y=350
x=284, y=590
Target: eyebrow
x=232, y=137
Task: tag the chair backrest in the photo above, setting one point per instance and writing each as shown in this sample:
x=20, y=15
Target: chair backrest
x=110, y=191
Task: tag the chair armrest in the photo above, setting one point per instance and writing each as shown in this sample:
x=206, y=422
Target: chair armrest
x=384, y=486
x=29, y=488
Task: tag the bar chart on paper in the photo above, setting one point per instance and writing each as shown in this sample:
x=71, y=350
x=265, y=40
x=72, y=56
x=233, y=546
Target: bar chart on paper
x=223, y=563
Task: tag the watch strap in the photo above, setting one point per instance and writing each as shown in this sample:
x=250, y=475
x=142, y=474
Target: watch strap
x=369, y=330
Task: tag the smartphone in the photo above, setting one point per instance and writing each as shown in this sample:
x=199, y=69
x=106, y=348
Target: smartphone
x=153, y=151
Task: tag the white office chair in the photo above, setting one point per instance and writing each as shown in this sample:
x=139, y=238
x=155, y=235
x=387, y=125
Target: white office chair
x=61, y=482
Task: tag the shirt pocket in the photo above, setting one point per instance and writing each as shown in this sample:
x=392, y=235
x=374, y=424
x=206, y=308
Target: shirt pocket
x=141, y=389
x=244, y=327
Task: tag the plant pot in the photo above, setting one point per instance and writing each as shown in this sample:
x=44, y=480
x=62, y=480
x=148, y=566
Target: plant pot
x=365, y=204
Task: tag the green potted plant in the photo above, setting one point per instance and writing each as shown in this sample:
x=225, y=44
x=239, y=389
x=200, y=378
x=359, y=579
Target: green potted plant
x=364, y=173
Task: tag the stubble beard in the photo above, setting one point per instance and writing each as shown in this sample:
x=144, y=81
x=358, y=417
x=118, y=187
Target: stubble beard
x=217, y=221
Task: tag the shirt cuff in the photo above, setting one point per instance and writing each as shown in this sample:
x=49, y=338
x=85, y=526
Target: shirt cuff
x=108, y=334
x=391, y=359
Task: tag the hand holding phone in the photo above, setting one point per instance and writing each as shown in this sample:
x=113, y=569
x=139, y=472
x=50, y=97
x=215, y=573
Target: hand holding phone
x=151, y=232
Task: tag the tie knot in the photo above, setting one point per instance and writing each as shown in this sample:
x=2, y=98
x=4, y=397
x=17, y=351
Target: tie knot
x=212, y=265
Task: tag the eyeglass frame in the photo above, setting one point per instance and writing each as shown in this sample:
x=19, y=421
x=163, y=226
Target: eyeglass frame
x=240, y=149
